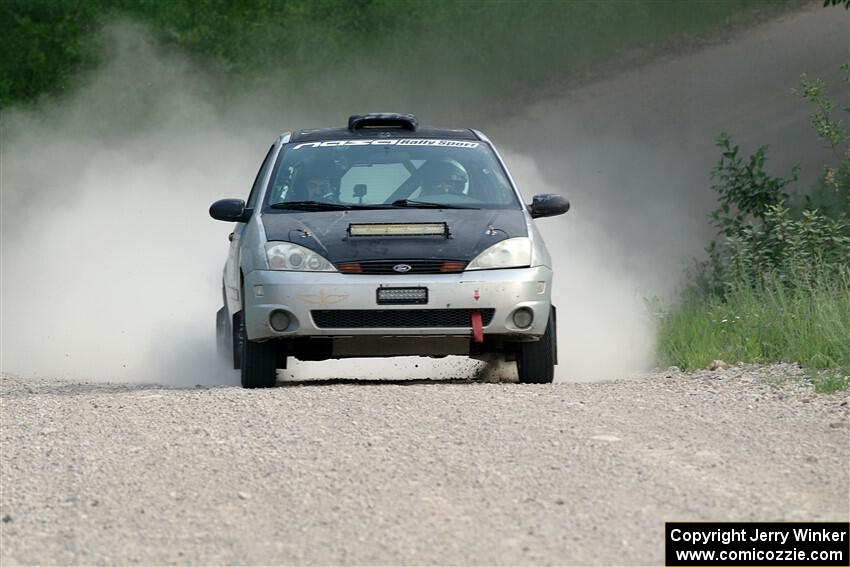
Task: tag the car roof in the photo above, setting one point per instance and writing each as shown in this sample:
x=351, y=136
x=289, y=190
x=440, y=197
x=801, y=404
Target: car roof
x=382, y=125
x=345, y=134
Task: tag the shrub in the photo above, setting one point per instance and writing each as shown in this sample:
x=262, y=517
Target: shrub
x=762, y=231
x=832, y=194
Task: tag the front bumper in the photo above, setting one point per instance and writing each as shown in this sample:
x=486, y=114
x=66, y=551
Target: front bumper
x=300, y=293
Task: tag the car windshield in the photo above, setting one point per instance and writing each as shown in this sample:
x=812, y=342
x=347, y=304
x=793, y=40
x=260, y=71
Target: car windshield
x=388, y=173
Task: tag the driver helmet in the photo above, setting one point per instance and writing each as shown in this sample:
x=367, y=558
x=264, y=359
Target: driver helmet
x=313, y=183
x=442, y=177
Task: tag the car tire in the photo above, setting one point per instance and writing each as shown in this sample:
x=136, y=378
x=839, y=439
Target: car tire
x=237, y=334
x=535, y=361
x=223, y=340
x=259, y=364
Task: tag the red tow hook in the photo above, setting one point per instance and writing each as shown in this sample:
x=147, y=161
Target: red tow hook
x=477, y=327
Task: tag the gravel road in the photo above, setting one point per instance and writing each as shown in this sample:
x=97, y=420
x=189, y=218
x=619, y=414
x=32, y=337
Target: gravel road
x=413, y=473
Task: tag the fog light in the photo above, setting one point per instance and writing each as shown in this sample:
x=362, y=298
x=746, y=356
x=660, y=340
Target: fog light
x=279, y=320
x=523, y=317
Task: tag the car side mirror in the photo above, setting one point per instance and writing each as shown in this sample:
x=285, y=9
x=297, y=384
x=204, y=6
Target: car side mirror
x=231, y=210
x=548, y=205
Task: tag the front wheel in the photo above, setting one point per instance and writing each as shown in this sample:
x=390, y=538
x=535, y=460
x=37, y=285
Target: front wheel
x=258, y=362
x=535, y=361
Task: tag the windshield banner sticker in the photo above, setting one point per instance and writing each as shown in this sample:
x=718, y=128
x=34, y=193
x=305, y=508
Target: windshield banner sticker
x=389, y=142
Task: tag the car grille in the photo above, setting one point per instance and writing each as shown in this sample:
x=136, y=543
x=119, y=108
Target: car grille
x=416, y=267
x=397, y=318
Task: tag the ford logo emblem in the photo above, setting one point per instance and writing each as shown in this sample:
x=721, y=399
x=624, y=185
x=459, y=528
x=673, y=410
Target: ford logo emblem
x=403, y=268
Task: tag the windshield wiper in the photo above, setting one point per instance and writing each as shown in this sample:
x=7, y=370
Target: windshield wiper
x=317, y=206
x=427, y=205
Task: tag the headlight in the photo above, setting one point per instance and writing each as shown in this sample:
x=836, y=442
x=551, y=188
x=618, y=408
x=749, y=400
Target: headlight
x=288, y=256
x=510, y=253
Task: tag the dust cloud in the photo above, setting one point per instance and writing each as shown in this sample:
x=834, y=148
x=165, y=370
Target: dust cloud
x=604, y=326
x=110, y=262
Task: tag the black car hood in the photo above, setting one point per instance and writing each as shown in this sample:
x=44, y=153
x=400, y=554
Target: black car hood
x=470, y=232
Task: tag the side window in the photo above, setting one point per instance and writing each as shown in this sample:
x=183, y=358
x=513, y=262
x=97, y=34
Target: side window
x=258, y=181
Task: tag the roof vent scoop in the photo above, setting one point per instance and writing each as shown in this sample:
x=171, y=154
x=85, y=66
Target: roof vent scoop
x=382, y=121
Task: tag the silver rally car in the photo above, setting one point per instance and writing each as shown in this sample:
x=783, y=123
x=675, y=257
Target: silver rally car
x=386, y=239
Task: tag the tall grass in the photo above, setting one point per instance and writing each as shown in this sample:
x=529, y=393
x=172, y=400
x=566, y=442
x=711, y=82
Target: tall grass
x=804, y=320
